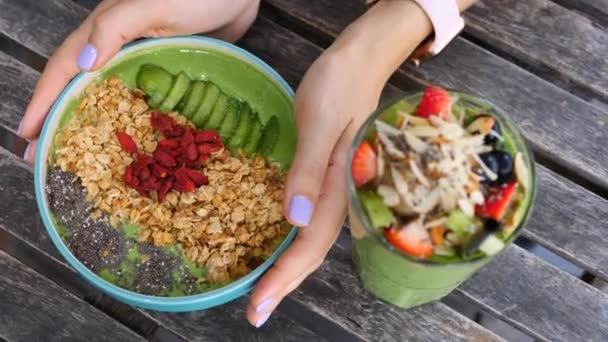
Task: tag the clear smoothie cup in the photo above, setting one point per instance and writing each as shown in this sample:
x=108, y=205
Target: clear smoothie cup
x=394, y=276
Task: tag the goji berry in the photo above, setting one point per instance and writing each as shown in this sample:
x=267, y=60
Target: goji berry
x=164, y=159
x=126, y=142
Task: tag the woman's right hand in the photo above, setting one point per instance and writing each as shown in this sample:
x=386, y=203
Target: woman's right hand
x=116, y=22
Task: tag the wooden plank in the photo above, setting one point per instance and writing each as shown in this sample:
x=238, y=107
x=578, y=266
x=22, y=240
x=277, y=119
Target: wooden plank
x=16, y=86
x=541, y=109
x=553, y=41
x=34, y=308
x=595, y=9
x=228, y=323
x=540, y=299
x=571, y=221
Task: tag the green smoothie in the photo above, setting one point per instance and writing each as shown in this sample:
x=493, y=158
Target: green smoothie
x=440, y=183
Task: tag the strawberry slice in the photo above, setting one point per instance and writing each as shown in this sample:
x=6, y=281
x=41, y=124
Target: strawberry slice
x=435, y=101
x=364, y=167
x=411, y=239
x=497, y=202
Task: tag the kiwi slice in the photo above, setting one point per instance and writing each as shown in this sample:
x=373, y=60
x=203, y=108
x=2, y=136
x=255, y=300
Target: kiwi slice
x=196, y=97
x=180, y=86
x=270, y=136
x=203, y=113
x=155, y=82
x=232, y=119
x=219, y=112
x=241, y=133
x=254, y=136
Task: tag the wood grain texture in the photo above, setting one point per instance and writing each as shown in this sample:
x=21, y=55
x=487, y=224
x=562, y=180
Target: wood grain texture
x=228, y=323
x=559, y=125
x=550, y=39
x=540, y=299
x=596, y=9
x=16, y=86
x=36, y=309
x=571, y=221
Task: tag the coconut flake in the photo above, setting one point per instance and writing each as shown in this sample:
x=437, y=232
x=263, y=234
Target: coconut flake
x=386, y=128
x=418, y=173
x=485, y=168
x=423, y=131
x=380, y=164
x=390, y=195
x=415, y=143
x=429, y=202
x=477, y=197
x=390, y=147
x=401, y=186
x=466, y=206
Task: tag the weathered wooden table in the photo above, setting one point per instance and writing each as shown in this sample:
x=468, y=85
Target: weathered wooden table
x=545, y=62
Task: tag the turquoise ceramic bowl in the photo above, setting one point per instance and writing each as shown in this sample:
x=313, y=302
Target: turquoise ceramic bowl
x=73, y=90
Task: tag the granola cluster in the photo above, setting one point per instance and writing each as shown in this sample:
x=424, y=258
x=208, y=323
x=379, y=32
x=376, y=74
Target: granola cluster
x=228, y=226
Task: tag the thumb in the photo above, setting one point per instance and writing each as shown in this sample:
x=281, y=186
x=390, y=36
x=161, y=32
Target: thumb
x=317, y=137
x=116, y=26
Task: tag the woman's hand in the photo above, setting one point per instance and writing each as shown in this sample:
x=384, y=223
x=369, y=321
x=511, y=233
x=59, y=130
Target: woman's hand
x=333, y=99
x=116, y=22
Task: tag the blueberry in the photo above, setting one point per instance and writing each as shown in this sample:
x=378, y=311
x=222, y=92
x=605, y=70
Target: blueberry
x=495, y=134
x=491, y=162
x=505, y=166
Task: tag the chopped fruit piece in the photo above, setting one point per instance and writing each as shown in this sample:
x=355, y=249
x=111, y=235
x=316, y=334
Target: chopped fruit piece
x=243, y=129
x=379, y=214
x=254, y=137
x=481, y=125
x=497, y=202
x=270, y=136
x=458, y=222
x=155, y=82
x=218, y=114
x=505, y=167
x=233, y=116
x=161, y=122
x=164, y=188
x=126, y=142
x=197, y=177
x=490, y=227
x=411, y=239
x=435, y=101
x=159, y=171
x=437, y=235
x=179, y=88
x=184, y=185
x=197, y=92
x=491, y=245
x=203, y=113
x=168, y=144
x=364, y=166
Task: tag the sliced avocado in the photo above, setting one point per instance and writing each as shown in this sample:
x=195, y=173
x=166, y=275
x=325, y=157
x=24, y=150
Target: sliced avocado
x=231, y=121
x=155, y=82
x=251, y=145
x=219, y=112
x=270, y=136
x=196, y=97
x=241, y=133
x=459, y=222
x=180, y=86
x=182, y=103
x=379, y=214
x=203, y=113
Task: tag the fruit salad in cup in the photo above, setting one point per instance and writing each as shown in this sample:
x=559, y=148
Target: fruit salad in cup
x=441, y=180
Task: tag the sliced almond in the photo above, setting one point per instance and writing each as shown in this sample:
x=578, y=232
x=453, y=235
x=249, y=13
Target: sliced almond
x=521, y=170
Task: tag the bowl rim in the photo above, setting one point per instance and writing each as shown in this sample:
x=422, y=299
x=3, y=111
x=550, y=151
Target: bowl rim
x=513, y=130
x=201, y=300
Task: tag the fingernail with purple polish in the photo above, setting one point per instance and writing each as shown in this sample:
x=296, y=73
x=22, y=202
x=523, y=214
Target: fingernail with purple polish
x=262, y=320
x=300, y=210
x=20, y=127
x=87, y=57
x=267, y=303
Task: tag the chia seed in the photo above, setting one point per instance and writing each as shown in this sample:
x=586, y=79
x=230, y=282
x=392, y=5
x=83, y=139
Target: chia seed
x=102, y=247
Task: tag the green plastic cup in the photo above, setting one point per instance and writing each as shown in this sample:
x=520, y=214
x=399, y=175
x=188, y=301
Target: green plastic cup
x=394, y=276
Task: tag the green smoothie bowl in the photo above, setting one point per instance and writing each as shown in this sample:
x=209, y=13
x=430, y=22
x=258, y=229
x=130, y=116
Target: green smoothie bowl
x=440, y=183
x=159, y=178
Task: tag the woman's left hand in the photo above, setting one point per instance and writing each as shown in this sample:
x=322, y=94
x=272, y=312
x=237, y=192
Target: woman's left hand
x=331, y=103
